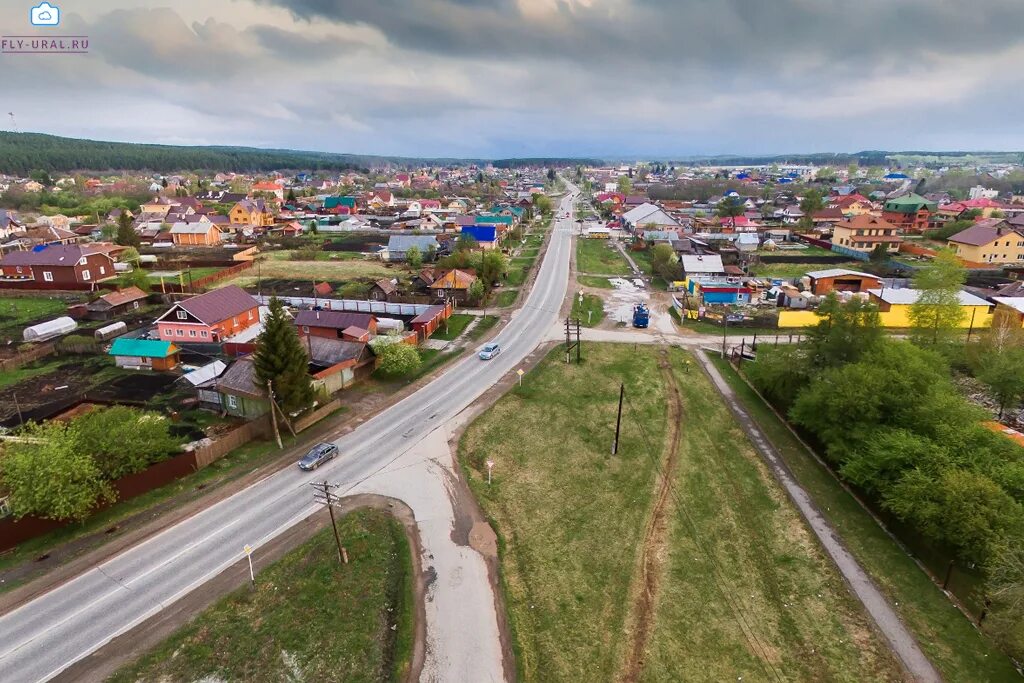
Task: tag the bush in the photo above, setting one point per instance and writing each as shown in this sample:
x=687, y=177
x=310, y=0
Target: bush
x=396, y=358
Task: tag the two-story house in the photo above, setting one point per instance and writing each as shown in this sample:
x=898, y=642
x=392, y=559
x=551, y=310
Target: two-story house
x=251, y=212
x=862, y=233
x=211, y=317
x=990, y=240
x=58, y=264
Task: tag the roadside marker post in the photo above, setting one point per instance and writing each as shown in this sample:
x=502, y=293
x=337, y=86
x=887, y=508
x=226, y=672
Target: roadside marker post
x=248, y=556
x=490, y=466
x=520, y=373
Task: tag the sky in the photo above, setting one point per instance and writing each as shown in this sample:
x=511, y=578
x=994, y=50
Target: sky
x=507, y=78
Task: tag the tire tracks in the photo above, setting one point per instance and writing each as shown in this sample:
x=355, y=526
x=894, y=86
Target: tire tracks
x=650, y=562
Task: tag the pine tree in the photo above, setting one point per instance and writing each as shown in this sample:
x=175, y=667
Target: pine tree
x=280, y=359
x=126, y=235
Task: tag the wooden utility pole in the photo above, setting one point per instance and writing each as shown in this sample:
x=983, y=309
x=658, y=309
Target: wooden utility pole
x=618, y=420
x=273, y=414
x=325, y=495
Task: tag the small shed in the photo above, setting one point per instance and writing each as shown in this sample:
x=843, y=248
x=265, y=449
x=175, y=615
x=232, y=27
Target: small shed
x=49, y=329
x=115, y=303
x=144, y=354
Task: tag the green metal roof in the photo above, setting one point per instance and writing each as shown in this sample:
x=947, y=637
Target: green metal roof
x=909, y=202
x=143, y=348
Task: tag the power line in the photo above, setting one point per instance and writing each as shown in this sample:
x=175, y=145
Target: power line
x=718, y=575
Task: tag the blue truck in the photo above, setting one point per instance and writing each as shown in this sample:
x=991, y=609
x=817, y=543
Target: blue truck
x=641, y=316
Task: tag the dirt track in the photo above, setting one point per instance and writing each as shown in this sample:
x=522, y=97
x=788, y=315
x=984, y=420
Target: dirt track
x=652, y=551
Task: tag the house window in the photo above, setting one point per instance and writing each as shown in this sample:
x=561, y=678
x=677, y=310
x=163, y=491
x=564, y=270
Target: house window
x=232, y=401
x=181, y=333
x=135, y=304
x=48, y=276
x=103, y=270
x=18, y=269
x=191, y=333
x=250, y=315
x=86, y=275
x=203, y=334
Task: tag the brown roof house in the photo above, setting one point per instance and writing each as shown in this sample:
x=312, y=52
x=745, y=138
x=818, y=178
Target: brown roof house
x=383, y=290
x=58, y=264
x=454, y=284
x=335, y=324
x=115, y=303
x=211, y=317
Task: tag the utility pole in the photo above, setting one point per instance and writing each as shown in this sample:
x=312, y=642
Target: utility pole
x=569, y=344
x=325, y=496
x=273, y=415
x=725, y=329
x=21, y=420
x=618, y=420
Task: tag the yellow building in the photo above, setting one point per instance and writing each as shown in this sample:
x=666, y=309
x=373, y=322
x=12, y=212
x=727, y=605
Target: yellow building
x=864, y=232
x=990, y=240
x=251, y=212
x=894, y=310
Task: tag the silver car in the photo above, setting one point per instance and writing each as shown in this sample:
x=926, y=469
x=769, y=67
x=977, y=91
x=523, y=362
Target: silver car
x=318, y=455
x=489, y=351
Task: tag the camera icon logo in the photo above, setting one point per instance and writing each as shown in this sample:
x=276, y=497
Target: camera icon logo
x=44, y=14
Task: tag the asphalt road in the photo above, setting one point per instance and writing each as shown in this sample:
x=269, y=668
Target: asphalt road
x=41, y=638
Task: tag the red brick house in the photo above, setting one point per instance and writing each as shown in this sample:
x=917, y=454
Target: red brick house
x=58, y=263
x=211, y=317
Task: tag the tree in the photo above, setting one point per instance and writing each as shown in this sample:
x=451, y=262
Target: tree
x=414, y=257
x=41, y=177
x=128, y=255
x=1005, y=586
x=664, y=262
x=48, y=475
x=396, y=358
x=163, y=182
x=466, y=242
x=845, y=332
x=729, y=208
x=812, y=202
x=780, y=372
x=997, y=359
x=625, y=185
x=542, y=203
x=936, y=315
x=136, y=277
x=879, y=256
x=126, y=235
x=493, y=266
x=551, y=174
x=476, y=291
x=124, y=440
x=291, y=195
x=281, y=359
x=313, y=228
x=431, y=254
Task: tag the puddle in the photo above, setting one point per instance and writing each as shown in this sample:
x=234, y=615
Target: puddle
x=625, y=294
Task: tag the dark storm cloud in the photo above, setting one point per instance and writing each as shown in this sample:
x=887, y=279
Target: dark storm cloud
x=763, y=34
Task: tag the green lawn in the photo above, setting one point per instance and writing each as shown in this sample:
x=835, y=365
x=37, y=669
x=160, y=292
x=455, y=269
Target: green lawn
x=735, y=565
x=703, y=327
x=947, y=637
x=483, y=327
x=455, y=326
x=599, y=257
x=593, y=281
x=506, y=297
x=787, y=271
x=41, y=367
x=17, y=311
x=517, y=274
x=590, y=312
x=309, y=618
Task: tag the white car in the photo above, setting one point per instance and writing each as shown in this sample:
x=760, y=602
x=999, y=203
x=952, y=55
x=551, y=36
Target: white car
x=489, y=351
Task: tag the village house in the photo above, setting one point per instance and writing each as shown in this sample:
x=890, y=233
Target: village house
x=454, y=284
x=58, y=264
x=203, y=234
x=486, y=236
x=894, y=307
x=990, y=240
x=335, y=324
x=116, y=303
x=841, y=280
x=144, y=354
x=251, y=212
x=909, y=212
x=382, y=290
x=210, y=317
x=398, y=247
x=270, y=188
x=862, y=233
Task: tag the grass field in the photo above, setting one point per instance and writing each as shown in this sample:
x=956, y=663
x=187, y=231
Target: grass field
x=320, y=270
x=590, y=312
x=599, y=257
x=506, y=297
x=309, y=618
x=572, y=522
x=482, y=327
x=593, y=281
x=950, y=641
x=456, y=325
x=788, y=271
x=17, y=311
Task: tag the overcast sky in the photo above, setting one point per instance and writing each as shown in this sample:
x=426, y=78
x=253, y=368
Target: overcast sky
x=529, y=77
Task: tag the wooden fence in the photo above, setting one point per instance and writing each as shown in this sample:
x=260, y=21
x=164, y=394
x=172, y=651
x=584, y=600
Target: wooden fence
x=26, y=357
x=307, y=421
x=210, y=453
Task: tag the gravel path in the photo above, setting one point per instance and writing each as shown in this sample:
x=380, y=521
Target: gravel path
x=885, y=618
